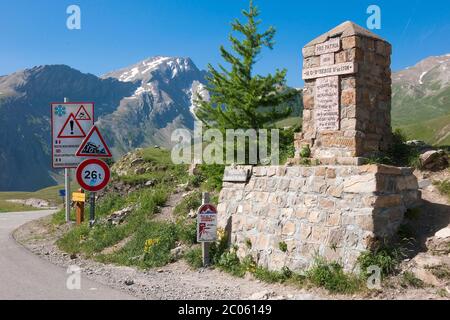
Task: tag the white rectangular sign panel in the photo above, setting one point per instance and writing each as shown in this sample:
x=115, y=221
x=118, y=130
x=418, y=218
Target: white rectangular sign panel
x=71, y=122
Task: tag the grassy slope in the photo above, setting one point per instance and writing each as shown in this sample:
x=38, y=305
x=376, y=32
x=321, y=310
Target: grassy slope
x=423, y=117
x=435, y=131
x=50, y=194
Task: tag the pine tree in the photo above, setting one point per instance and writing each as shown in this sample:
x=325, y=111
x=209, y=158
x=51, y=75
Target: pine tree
x=238, y=98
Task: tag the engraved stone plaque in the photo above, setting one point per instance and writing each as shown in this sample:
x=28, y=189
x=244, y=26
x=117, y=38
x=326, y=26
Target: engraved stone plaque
x=327, y=59
x=332, y=45
x=237, y=174
x=326, y=109
x=332, y=70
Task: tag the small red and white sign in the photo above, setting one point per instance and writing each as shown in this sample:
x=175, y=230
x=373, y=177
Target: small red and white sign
x=82, y=114
x=93, y=175
x=207, y=223
x=70, y=122
x=94, y=145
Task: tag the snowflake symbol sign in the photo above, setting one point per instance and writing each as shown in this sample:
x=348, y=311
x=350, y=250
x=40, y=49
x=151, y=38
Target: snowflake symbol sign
x=60, y=110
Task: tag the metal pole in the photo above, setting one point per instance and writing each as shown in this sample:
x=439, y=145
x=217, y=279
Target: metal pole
x=67, y=186
x=91, y=208
x=205, y=245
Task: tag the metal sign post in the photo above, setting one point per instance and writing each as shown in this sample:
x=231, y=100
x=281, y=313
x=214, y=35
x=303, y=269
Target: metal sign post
x=67, y=185
x=91, y=209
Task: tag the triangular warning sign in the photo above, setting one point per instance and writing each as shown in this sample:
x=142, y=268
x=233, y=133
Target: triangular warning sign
x=94, y=145
x=71, y=129
x=82, y=114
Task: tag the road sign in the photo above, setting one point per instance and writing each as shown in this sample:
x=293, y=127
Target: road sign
x=62, y=192
x=69, y=130
x=93, y=175
x=79, y=196
x=207, y=223
x=82, y=114
x=94, y=145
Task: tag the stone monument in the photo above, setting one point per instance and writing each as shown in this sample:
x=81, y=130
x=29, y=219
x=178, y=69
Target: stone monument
x=283, y=216
x=346, y=97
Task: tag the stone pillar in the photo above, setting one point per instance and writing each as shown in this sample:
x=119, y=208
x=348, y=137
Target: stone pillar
x=347, y=96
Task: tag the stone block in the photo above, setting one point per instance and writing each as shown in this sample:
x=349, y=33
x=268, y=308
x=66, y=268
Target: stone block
x=351, y=42
x=360, y=184
x=288, y=228
x=308, y=51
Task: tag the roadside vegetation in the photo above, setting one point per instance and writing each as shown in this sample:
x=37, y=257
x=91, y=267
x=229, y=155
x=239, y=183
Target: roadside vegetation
x=443, y=187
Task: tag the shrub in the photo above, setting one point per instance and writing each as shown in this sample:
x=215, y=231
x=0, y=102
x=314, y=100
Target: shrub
x=399, y=153
x=212, y=175
x=187, y=231
x=443, y=187
x=283, y=246
x=230, y=263
x=194, y=257
x=386, y=258
x=410, y=280
x=190, y=202
x=305, y=152
x=331, y=276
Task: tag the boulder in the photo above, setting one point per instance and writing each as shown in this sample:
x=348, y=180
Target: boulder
x=440, y=242
x=139, y=171
x=136, y=161
x=434, y=160
x=178, y=252
x=119, y=216
x=150, y=183
x=418, y=144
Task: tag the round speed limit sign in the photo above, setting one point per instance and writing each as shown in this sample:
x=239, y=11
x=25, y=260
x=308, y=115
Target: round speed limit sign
x=93, y=175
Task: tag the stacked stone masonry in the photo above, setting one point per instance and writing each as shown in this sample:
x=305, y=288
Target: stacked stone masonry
x=334, y=211
x=364, y=124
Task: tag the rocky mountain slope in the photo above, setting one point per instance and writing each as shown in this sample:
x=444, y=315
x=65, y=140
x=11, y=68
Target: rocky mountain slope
x=162, y=102
x=136, y=106
x=421, y=100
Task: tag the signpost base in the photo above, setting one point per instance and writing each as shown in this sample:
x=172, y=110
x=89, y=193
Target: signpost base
x=205, y=254
x=91, y=209
x=205, y=245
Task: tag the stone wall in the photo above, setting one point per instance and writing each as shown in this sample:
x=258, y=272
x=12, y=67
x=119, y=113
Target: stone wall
x=335, y=211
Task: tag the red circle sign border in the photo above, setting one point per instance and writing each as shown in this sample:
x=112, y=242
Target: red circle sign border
x=86, y=163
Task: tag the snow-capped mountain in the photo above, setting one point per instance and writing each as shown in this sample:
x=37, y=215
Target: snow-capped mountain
x=162, y=102
x=431, y=69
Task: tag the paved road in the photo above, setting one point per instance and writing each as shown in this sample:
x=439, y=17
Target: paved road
x=26, y=276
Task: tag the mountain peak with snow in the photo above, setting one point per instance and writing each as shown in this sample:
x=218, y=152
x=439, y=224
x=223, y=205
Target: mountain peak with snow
x=145, y=70
x=434, y=69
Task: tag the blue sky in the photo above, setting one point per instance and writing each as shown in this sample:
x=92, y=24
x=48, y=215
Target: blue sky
x=117, y=33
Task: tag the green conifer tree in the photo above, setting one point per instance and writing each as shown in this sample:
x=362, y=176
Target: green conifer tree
x=238, y=97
